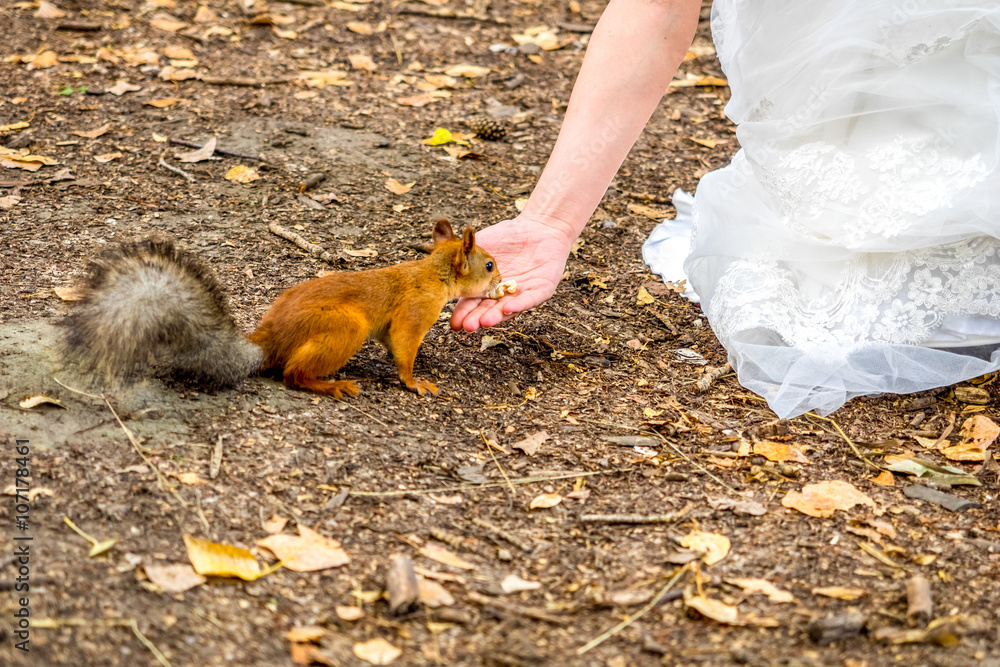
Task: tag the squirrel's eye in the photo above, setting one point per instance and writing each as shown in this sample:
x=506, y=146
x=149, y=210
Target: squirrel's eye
x=489, y=266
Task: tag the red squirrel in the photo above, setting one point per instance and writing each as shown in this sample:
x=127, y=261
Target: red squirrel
x=148, y=306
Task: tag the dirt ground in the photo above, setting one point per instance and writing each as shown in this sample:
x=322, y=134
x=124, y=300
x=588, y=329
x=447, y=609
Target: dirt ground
x=389, y=472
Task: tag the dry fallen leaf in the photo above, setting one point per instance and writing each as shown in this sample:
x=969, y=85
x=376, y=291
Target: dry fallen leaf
x=515, y=584
x=713, y=546
x=644, y=298
x=444, y=556
x=305, y=634
x=163, y=103
x=839, y=592
x=713, y=609
x=242, y=174
x=779, y=451
x=108, y=157
x=20, y=125
x=205, y=15
x=71, y=293
x=9, y=201
x=92, y=134
x=320, y=79
x=43, y=60
x=346, y=613
x=168, y=25
x=364, y=252
x=360, y=27
x=377, y=651
x=22, y=159
x=46, y=10
x=203, y=153
x=531, y=444
x=306, y=552
x=123, y=87
x=221, y=560
x=39, y=399
x=545, y=501
x=433, y=594
x=469, y=71
x=178, y=53
x=174, y=578
x=395, y=187
x=652, y=213
x=275, y=524
x=763, y=586
x=824, y=498
x=362, y=61
x=884, y=478
x=978, y=433
x=190, y=478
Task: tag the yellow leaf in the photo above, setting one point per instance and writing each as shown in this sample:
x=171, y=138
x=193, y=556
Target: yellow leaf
x=466, y=70
x=43, y=60
x=713, y=546
x=824, y=498
x=221, y=560
x=20, y=125
x=644, y=298
x=652, y=213
x=377, y=651
x=163, y=103
x=190, y=478
x=714, y=609
x=40, y=399
x=100, y=547
x=361, y=61
x=345, y=613
x=159, y=138
x=242, y=174
x=545, y=501
x=884, y=478
x=46, y=10
x=520, y=203
x=708, y=143
x=305, y=634
x=167, y=24
x=839, y=592
x=92, y=134
x=395, y=187
x=978, y=433
x=763, y=586
x=436, y=82
x=306, y=552
x=779, y=451
x=319, y=79
x=178, y=53
x=442, y=555
x=360, y=27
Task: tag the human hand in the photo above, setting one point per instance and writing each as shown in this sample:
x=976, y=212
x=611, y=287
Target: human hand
x=526, y=250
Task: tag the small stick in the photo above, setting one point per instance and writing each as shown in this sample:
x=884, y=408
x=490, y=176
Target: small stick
x=920, y=605
x=215, y=464
x=712, y=375
x=500, y=532
x=636, y=518
x=486, y=442
x=528, y=612
x=311, y=248
x=849, y=442
x=219, y=151
x=240, y=81
x=443, y=14
x=176, y=170
x=487, y=485
x=375, y=419
x=600, y=639
x=79, y=26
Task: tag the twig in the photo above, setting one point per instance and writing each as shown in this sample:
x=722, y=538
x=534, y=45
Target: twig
x=500, y=532
x=241, y=81
x=79, y=26
x=311, y=248
x=413, y=10
x=77, y=391
x=849, y=442
x=372, y=417
x=489, y=448
x=176, y=170
x=219, y=151
x=528, y=612
x=215, y=464
x=112, y=622
x=637, y=518
x=138, y=449
x=712, y=375
x=601, y=638
x=486, y=485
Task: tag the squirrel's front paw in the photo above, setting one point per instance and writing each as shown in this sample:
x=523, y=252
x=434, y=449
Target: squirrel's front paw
x=421, y=387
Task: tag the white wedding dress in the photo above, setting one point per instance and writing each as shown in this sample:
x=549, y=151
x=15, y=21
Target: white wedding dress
x=851, y=246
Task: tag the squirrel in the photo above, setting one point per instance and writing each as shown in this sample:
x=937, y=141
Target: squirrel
x=147, y=306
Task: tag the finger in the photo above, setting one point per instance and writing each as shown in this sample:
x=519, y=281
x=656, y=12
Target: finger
x=481, y=315
x=462, y=310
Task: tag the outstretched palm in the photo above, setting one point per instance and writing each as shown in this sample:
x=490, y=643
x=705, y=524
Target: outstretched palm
x=530, y=252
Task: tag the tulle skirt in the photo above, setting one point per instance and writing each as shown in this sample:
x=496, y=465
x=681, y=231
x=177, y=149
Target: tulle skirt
x=851, y=246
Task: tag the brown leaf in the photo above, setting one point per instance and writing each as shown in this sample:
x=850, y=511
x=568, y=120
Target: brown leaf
x=651, y=213
x=174, y=578
x=306, y=552
x=346, y=613
x=242, y=174
x=442, y=555
x=978, y=433
x=362, y=61
x=168, y=24
x=545, y=501
x=714, y=609
x=30, y=402
x=305, y=634
x=395, y=187
x=423, y=99
x=43, y=60
x=163, y=103
x=884, y=478
x=433, y=594
x=275, y=524
x=9, y=201
x=179, y=53
x=779, y=451
x=824, y=498
x=713, y=546
x=92, y=134
x=839, y=592
x=377, y=651
x=205, y=15
x=123, y=87
x=108, y=157
x=360, y=27
x=532, y=443
x=468, y=71
x=763, y=586
x=46, y=10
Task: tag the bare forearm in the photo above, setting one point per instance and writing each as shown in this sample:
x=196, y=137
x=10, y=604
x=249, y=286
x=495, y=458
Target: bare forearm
x=633, y=54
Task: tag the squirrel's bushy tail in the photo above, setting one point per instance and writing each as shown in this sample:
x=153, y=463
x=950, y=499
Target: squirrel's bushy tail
x=149, y=308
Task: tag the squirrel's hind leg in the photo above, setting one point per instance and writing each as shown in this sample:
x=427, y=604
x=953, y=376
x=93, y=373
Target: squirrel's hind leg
x=324, y=355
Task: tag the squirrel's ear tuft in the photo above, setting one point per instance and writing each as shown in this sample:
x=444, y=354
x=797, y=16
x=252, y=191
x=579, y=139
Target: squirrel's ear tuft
x=442, y=231
x=468, y=240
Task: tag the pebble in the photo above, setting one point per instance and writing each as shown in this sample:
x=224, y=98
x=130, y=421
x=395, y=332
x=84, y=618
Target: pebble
x=609, y=224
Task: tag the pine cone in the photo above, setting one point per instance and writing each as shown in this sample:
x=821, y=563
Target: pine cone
x=487, y=128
